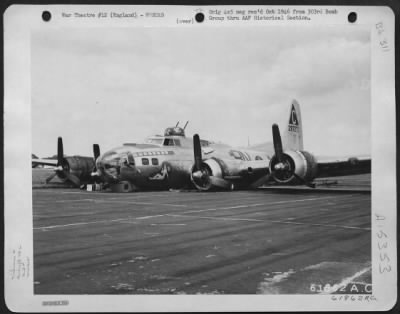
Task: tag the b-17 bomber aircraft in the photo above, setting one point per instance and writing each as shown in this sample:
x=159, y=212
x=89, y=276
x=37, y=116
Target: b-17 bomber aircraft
x=173, y=161
x=75, y=169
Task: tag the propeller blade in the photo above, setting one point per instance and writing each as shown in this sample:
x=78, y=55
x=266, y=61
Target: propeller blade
x=60, y=151
x=197, y=152
x=96, y=151
x=74, y=179
x=51, y=177
x=220, y=182
x=277, y=142
x=309, y=184
x=261, y=180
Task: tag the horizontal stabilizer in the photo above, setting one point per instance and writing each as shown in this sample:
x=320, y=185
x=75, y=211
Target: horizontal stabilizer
x=344, y=167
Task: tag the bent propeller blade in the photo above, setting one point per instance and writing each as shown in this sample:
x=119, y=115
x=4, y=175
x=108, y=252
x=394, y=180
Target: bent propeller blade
x=74, y=179
x=261, y=181
x=222, y=183
x=51, y=177
x=307, y=183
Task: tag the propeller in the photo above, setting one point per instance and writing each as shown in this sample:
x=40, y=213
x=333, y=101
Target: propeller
x=278, y=148
x=201, y=174
x=60, y=157
x=283, y=166
x=62, y=168
x=96, y=154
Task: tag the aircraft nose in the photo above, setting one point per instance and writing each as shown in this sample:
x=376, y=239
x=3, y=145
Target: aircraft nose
x=108, y=165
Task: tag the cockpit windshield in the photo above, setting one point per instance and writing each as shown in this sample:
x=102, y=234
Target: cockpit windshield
x=172, y=142
x=155, y=141
x=163, y=141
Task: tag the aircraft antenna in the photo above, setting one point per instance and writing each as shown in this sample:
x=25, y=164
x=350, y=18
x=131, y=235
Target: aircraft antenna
x=177, y=124
x=186, y=124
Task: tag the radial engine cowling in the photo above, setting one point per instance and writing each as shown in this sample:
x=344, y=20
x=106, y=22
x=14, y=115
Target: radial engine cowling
x=203, y=178
x=78, y=166
x=294, y=163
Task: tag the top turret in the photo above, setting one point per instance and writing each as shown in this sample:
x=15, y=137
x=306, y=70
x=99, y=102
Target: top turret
x=174, y=131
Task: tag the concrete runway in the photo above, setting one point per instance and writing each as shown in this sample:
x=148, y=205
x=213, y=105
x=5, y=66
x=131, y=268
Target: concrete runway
x=243, y=242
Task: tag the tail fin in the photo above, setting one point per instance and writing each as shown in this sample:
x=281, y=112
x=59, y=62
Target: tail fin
x=293, y=136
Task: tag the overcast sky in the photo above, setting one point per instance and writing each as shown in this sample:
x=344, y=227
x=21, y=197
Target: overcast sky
x=111, y=86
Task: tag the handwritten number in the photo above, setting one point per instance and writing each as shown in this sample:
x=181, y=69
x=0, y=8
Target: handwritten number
x=385, y=256
x=386, y=269
x=379, y=27
x=380, y=234
x=379, y=217
x=384, y=245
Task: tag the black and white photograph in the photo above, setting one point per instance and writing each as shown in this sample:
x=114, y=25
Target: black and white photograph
x=197, y=158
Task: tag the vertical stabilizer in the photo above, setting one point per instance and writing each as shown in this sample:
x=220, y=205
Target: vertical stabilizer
x=293, y=136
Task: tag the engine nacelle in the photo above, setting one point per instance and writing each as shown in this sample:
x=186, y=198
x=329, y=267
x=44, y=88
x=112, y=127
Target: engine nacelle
x=79, y=166
x=300, y=163
x=201, y=178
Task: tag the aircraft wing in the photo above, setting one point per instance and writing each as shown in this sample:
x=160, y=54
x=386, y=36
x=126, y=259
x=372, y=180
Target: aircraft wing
x=343, y=166
x=45, y=162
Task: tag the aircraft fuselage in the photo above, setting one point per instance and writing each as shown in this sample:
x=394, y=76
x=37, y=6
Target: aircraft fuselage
x=166, y=162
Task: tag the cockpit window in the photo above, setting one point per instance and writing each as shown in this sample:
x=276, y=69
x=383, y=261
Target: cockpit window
x=236, y=154
x=168, y=142
x=156, y=141
x=172, y=142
